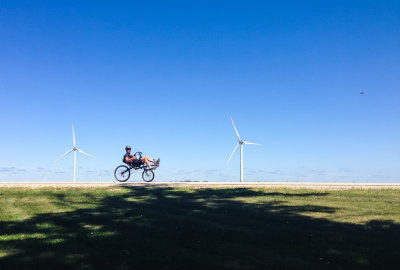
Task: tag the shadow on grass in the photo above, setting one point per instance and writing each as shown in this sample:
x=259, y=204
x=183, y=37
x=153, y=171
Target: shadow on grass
x=196, y=229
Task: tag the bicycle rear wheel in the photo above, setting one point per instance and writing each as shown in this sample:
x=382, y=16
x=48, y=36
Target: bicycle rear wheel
x=122, y=173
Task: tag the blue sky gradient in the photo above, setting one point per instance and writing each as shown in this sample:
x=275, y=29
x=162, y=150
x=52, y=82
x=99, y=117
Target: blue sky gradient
x=165, y=76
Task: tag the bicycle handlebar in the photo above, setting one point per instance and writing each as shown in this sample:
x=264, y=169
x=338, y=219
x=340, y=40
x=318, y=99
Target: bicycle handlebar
x=138, y=153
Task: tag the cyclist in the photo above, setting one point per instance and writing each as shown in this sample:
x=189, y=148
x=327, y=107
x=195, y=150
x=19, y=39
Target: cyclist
x=131, y=159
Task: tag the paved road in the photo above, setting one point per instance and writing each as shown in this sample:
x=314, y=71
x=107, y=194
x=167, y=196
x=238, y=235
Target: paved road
x=320, y=186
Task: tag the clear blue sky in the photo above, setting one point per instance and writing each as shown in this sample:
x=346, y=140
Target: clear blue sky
x=165, y=76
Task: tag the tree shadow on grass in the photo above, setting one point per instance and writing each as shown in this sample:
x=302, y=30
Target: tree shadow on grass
x=204, y=228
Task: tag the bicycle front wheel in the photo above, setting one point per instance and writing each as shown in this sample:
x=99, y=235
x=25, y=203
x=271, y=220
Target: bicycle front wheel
x=148, y=175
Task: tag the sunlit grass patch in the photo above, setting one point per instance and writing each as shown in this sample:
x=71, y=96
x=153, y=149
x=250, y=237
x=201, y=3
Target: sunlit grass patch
x=7, y=237
x=54, y=241
x=92, y=227
x=9, y=252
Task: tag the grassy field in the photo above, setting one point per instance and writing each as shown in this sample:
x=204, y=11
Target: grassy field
x=169, y=228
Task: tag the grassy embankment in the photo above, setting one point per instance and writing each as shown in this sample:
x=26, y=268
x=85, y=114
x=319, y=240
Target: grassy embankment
x=91, y=228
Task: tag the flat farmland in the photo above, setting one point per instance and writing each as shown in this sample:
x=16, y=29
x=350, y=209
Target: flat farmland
x=197, y=226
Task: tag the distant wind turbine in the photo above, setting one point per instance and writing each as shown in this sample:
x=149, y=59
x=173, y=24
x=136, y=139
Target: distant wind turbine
x=74, y=150
x=240, y=143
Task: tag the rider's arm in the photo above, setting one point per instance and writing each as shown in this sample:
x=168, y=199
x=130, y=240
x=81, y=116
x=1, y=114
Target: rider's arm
x=127, y=159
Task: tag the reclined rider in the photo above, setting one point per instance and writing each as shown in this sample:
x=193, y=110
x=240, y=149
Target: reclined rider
x=131, y=159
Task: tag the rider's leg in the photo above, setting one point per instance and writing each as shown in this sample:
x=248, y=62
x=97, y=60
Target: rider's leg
x=149, y=159
x=146, y=160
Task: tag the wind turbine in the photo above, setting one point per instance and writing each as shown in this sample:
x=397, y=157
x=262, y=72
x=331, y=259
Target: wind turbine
x=240, y=143
x=100, y=173
x=74, y=150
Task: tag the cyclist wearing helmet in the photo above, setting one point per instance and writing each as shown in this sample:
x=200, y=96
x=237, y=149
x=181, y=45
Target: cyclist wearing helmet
x=129, y=158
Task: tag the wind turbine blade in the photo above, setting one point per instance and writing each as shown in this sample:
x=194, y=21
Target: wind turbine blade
x=73, y=135
x=64, y=155
x=237, y=133
x=251, y=143
x=89, y=155
x=232, y=153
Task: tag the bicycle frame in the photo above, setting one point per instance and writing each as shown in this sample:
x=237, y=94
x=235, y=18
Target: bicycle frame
x=132, y=167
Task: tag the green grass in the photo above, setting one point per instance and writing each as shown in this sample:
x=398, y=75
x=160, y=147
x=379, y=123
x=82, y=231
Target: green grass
x=166, y=228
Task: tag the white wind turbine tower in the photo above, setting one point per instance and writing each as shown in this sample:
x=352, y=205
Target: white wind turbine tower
x=74, y=150
x=240, y=143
